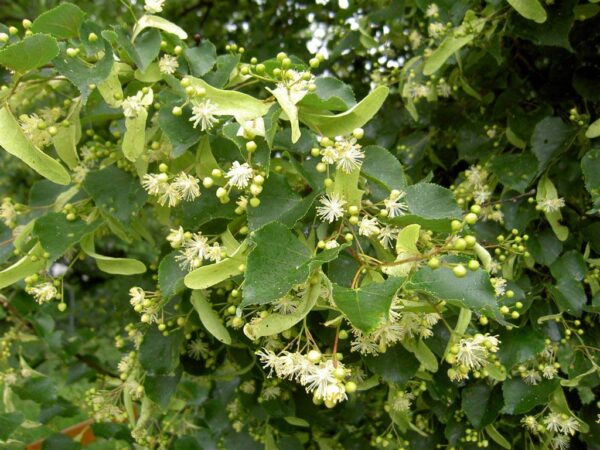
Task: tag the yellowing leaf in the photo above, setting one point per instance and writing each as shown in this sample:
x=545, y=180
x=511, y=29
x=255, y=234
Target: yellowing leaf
x=150, y=21
x=134, y=141
x=232, y=103
x=108, y=264
x=530, y=9
x=14, y=141
x=209, y=318
x=346, y=122
x=593, y=130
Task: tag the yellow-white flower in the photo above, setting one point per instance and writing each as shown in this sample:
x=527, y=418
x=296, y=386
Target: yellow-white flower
x=43, y=292
x=168, y=64
x=239, y=175
x=332, y=209
x=154, y=6
x=133, y=105
x=204, y=113
x=188, y=186
x=394, y=204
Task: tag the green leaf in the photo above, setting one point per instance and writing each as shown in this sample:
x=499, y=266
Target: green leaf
x=593, y=130
x=425, y=356
x=116, y=193
x=569, y=296
x=397, y=365
x=9, y=422
x=515, y=170
x=160, y=388
x=39, y=389
x=590, y=166
x=520, y=397
x=178, y=129
x=82, y=74
x=62, y=22
x=134, y=141
x=159, y=354
x=151, y=21
x=279, y=203
x=547, y=191
x=497, y=437
x=211, y=274
x=170, y=276
x=474, y=291
x=346, y=122
x=14, y=141
x=209, y=318
x=571, y=265
x=550, y=138
x=201, y=59
x=30, y=53
x=297, y=421
x=331, y=94
x=367, y=306
x=57, y=234
x=115, y=266
x=481, y=404
x=519, y=345
x=429, y=205
x=530, y=9
x=554, y=31
x=278, y=261
x=60, y=441
x=383, y=168
x=143, y=52
x=446, y=49
x=226, y=65
x=276, y=323
x=23, y=267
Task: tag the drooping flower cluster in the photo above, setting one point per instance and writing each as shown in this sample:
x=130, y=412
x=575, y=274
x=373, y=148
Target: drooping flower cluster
x=134, y=105
x=36, y=129
x=555, y=426
x=345, y=152
x=323, y=378
x=195, y=248
x=172, y=190
x=472, y=353
x=145, y=303
x=397, y=326
x=543, y=366
x=477, y=188
x=43, y=292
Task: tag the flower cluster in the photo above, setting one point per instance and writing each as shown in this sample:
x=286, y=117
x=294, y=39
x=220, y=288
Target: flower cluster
x=37, y=130
x=472, y=353
x=145, y=303
x=134, y=105
x=397, y=326
x=323, y=378
x=345, y=152
x=172, y=190
x=194, y=248
x=44, y=292
x=558, y=426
